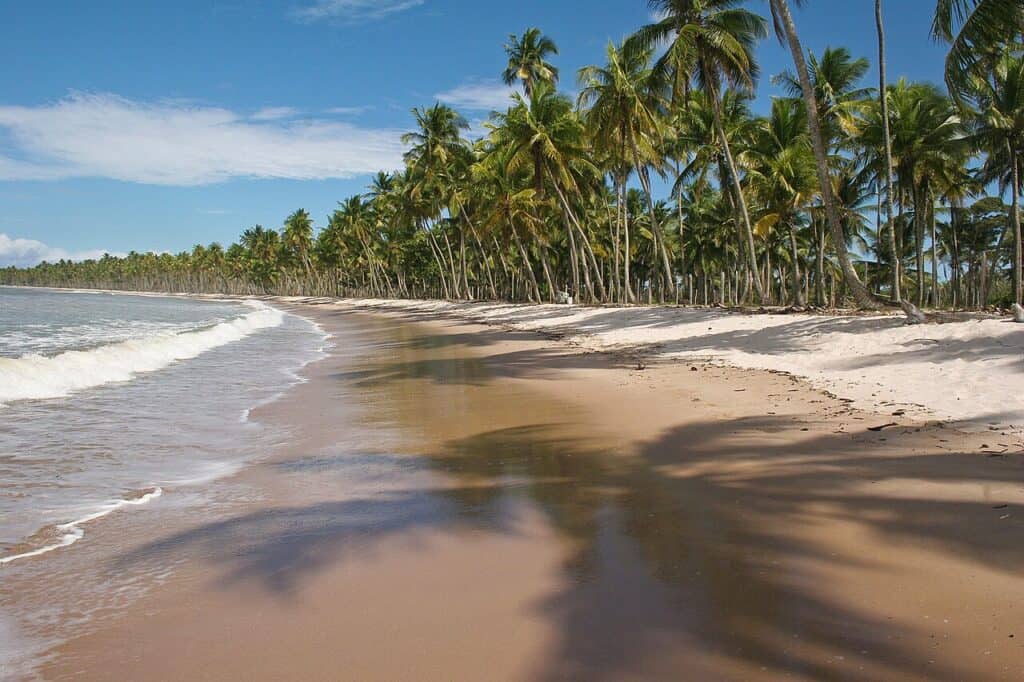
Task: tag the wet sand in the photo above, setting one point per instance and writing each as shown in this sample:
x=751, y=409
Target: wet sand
x=456, y=502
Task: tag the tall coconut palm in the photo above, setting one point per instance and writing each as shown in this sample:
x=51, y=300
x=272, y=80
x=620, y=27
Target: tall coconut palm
x=883, y=90
x=545, y=135
x=625, y=112
x=527, y=60
x=781, y=174
x=997, y=124
x=297, y=237
x=435, y=147
x=927, y=135
x=713, y=41
x=785, y=28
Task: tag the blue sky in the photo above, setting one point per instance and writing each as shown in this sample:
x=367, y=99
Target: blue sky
x=153, y=126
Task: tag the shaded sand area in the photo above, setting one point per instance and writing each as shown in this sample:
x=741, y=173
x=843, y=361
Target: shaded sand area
x=458, y=502
x=967, y=368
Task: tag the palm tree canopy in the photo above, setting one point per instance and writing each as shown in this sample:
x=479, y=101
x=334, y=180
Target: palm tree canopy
x=527, y=59
x=975, y=30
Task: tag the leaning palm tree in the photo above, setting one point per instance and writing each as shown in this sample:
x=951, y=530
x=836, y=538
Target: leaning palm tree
x=785, y=29
x=712, y=41
x=527, y=60
x=975, y=30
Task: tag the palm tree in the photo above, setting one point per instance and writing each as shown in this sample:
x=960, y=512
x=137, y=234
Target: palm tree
x=298, y=237
x=713, y=42
x=835, y=79
x=927, y=136
x=436, y=146
x=625, y=112
x=976, y=30
x=997, y=124
x=785, y=28
x=883, y=90
x=781, y=174
x=546, y=136
x=527, y=60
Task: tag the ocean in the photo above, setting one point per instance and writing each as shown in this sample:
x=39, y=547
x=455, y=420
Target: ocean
x=107, y=401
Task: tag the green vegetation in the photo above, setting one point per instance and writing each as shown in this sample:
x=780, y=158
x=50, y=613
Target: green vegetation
x=838, y=195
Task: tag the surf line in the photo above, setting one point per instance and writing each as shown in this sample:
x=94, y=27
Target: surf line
x=72, y=530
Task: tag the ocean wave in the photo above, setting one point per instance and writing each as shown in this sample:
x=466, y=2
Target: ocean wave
x=72, y=532
x=36, y=377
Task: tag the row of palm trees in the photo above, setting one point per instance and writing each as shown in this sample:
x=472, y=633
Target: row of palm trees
x=835, y=195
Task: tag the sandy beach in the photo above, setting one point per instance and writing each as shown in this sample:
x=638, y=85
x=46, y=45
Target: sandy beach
x=456, y=501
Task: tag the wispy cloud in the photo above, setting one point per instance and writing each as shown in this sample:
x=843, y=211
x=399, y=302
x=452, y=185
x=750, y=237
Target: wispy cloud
x=175, y=143
x=478, y=95
x=22, y=252
x=350, y=111
x=274, y=113
x=353, y=10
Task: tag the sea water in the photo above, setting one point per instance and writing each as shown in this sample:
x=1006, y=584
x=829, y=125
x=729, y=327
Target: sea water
x=110, y=401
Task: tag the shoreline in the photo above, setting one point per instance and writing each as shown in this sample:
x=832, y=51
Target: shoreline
x=876, y=361
x=460, y=486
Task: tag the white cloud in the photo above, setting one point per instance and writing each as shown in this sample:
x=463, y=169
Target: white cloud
x=28, y=252
x=274, y=113
x=353, y=10
x=176, y=143
x=478, y=95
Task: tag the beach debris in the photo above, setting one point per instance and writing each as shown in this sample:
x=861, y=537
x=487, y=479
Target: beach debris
x=640, y=366
x=914, y=314
x=882, y=426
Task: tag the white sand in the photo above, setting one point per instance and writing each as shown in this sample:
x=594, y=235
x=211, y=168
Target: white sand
x=970, y=372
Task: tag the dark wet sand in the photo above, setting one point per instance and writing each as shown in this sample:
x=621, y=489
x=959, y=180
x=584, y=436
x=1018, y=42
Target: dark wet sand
x=465, y=503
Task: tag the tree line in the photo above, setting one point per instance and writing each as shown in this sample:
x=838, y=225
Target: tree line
x=837, y=195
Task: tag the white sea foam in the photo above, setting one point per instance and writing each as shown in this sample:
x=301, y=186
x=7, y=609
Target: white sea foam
x=34, y=377
x=72, y=531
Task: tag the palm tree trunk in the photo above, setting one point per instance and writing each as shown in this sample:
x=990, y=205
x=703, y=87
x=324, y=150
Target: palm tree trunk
x=574, y=221
x=483, y=259
x=748, y=232
x=659, y=238
x=526, y=264
x=456, y=285
x=436, y=250
x=919, y=242
x=630, y=296
x=796, y=295
x=574, y=260
x=1015, y=221
x=887, y=137
x=819, y=264
x=935, y=251
x=860, y=293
